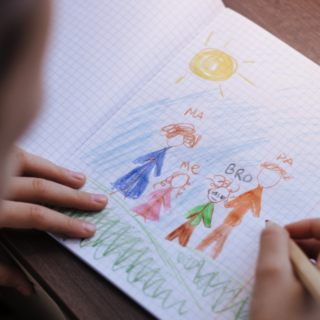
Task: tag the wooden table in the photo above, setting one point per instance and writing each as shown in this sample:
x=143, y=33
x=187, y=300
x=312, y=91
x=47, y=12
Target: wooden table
x=77, y=289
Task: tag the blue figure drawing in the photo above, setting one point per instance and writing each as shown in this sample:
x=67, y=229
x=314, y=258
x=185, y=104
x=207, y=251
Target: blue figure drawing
x=133, y=184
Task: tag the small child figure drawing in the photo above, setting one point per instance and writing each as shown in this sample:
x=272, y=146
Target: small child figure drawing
x=220, y=192
x=150, y=210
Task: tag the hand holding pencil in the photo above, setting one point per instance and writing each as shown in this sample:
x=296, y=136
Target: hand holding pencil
x=278, y=293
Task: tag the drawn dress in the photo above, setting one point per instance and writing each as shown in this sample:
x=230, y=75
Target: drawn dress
x=151, y=209
x=133, y=184
x=203, y=212
x=250, y=200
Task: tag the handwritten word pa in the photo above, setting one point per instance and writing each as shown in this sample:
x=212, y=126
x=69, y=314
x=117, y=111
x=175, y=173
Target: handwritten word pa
x=283, y=156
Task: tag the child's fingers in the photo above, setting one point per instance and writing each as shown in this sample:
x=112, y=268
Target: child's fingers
x=42, y=191
x=277, y=293
x=311, y=247
x=11, y=276
x=305, y=229
x=273, y=264
x=35, y=166
x=21, y=215
x=274, y=276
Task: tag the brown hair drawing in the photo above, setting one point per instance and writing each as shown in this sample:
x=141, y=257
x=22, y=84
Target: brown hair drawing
x=276, y=168
x=219, y=181
x=186, y=130
x=170, y=179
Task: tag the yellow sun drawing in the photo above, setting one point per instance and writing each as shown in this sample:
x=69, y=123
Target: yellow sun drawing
x=214, y=65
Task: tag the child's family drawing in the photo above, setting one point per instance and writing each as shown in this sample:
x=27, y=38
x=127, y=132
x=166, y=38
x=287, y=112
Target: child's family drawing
x=133, y=185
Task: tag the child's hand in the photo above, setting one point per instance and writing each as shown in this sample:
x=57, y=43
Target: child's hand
x=277, y=293
x=42, y=182
x=306, y=233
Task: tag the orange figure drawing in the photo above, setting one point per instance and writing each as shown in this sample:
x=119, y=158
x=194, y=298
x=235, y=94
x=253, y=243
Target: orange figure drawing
x=133, y=184
x=150, y=210
x=221, y=191
x=269, y=176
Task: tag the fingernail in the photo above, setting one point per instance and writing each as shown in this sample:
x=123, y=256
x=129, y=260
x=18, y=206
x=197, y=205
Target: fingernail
x=89, y=227
x=99, y=198
x=77, y=175
x=25, y=291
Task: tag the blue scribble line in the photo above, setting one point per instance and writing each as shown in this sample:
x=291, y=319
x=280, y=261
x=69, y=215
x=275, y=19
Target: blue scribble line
x=133, y=184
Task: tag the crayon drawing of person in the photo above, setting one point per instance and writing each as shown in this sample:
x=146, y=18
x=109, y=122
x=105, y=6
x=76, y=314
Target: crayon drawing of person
x=150, y=210
x=133, y=184
x=270, y=175
x=221, y=191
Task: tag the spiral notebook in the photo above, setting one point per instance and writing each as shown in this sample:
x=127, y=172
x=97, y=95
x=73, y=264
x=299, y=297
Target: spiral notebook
x=224, y=136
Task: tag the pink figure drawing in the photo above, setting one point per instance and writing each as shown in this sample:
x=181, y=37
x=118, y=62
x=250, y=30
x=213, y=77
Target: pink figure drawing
x=150, y=210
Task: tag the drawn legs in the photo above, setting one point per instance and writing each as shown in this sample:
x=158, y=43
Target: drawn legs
x=183, y=233
x=220, y=235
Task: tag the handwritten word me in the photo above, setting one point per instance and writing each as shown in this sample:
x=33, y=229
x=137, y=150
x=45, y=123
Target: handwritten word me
x=187, y=165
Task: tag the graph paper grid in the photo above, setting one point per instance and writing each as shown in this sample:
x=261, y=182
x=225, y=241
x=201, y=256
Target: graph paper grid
x=259, y=131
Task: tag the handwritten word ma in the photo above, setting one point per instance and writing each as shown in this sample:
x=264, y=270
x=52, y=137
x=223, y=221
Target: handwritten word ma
x=194, y=113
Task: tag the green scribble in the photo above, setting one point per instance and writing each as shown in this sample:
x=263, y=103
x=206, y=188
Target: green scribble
x=117, y=238
x=209, y=283
x=162, y=253
x=216, y=265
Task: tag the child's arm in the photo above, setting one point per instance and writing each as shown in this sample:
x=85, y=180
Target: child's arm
x=277, y=293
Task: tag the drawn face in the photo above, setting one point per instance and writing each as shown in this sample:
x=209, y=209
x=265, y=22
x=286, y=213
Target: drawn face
x=179, y=181
x=218, y=195
x=175, y=141
x=267, y=178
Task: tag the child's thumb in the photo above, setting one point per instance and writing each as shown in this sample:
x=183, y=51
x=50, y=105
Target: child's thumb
x=273, y=264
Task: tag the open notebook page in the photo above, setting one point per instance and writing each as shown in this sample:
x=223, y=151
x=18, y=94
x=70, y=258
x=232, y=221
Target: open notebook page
x=189, y=190
x=102, y=53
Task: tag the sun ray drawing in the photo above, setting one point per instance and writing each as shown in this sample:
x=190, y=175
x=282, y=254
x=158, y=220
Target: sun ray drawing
x=215, y=65
x=227, y=43
x=181, y=78
x=209, y=37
